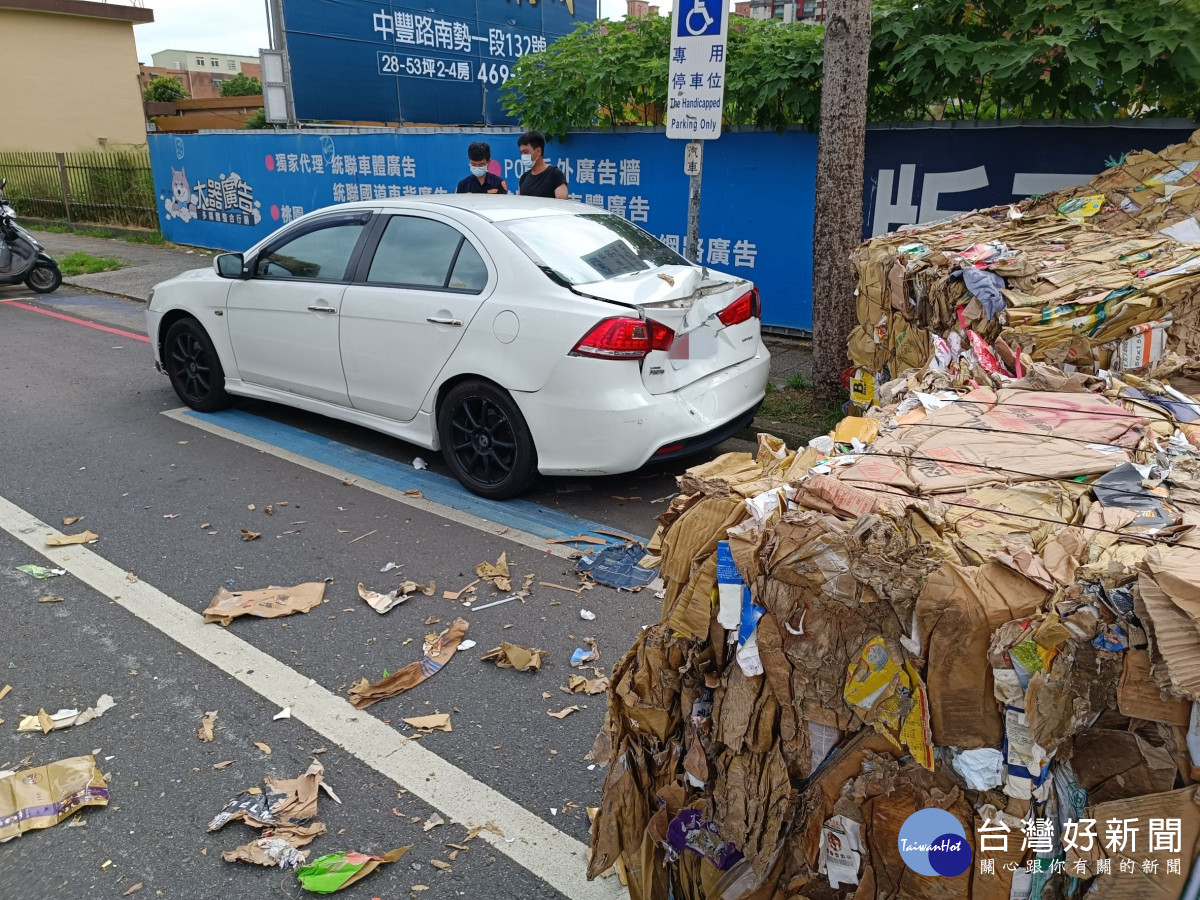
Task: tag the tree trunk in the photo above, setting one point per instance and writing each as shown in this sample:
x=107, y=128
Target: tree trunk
x=838, y=223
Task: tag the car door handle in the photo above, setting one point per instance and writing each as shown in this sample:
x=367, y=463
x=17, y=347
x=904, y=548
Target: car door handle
x=439, y=320
x=323, y=309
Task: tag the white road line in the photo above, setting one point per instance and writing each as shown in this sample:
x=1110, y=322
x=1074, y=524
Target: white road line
x=446, y=512
x=548, y=853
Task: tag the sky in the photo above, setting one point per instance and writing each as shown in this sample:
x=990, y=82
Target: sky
x=232, y=26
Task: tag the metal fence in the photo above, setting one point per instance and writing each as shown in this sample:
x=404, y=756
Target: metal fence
x=106, y=188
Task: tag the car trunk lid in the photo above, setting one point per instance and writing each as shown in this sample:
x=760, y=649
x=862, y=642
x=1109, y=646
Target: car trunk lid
x=688, y=300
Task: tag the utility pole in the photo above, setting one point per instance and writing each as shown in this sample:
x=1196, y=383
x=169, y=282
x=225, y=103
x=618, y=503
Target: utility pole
x=838, y=222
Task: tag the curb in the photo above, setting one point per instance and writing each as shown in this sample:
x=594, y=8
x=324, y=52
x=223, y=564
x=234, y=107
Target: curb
x=795, y=437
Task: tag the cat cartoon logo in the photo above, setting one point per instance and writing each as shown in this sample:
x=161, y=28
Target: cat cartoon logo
x=227, y=200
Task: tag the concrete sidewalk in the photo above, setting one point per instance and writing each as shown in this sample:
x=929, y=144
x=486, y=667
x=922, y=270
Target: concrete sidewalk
x=148, y=264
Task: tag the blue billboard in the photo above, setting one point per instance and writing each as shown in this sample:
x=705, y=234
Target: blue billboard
x=230, y=190
x=442, y=62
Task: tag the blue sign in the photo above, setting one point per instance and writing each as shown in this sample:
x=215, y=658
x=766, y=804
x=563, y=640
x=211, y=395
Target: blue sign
x=230, y=190
x=442, y=62
x=697, y=20
x=925, y=174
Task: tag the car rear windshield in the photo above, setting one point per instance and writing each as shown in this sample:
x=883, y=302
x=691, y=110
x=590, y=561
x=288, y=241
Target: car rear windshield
x=591, y=247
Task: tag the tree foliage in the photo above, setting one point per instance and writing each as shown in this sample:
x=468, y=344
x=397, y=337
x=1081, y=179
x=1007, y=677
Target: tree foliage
x=256, y=119
x=164, y=89
x=1034, y=59
x=615, y=73
x=932, y=59
x=241, y=85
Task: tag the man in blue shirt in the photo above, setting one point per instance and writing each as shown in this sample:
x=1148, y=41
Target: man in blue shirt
x=481, y=181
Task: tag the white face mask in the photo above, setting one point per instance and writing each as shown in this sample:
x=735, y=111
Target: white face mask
x=478, y=171
x=526, y=160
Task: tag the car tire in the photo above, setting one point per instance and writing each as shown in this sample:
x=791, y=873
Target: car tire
x=193, y=366
x=485, y=441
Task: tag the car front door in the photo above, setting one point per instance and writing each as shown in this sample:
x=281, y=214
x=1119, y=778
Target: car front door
x=284, y=319
x=407, y=311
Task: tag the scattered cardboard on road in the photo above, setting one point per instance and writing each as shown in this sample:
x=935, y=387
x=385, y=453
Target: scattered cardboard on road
x=43, y=796
x=436, y=654
x=248, y=535
x=456, y=595
x=71, y=520
x=562, y=713
x=65, y=718
x=433, y=822
x=497, y=575
x=581, y=657
x=577, y=684
x=435, y=722
x=381, y=603
x=66, y=540
x=513, y=656
x=285, y=810
x=268, y=603
x=206, y=726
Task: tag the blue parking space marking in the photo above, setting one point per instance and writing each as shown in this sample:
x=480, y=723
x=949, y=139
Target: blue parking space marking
x=524, y=515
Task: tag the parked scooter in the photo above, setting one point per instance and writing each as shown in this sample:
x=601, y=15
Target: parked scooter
x=22, y=258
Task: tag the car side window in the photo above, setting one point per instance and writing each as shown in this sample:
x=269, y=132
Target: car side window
x=323, y=254
x=424, y=253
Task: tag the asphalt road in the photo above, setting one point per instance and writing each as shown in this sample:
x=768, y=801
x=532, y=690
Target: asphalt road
x=85, y=435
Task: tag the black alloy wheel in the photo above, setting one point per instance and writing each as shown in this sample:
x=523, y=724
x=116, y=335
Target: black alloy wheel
x=192, y=364
x=485, y=440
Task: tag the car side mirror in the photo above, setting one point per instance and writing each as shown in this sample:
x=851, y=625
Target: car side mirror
x=230, y=265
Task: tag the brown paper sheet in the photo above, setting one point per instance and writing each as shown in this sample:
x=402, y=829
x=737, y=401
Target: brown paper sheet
x=268, y=603
x=437, y=654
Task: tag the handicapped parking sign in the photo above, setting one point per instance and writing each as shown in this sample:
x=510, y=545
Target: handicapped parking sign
x=697, y=19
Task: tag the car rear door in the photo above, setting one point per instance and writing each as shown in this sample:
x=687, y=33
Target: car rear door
x=284, y=319
x=411, y=301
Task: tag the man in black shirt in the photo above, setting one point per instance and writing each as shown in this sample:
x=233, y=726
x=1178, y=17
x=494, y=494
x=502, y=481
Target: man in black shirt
x=540, y=178
x=481, y=181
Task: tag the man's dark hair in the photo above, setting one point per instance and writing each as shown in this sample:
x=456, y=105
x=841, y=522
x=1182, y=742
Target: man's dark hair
x=479, y=150
x=532, y=139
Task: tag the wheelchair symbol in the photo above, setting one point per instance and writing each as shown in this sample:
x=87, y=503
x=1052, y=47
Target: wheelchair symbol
x=699, y=21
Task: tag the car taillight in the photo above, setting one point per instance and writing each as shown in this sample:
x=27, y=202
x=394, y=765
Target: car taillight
x=624, y=338
x=747, y=306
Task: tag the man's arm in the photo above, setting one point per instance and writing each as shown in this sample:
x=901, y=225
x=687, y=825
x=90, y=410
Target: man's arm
x=560, y=192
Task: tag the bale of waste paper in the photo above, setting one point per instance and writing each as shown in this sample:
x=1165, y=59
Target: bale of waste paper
x=1103, y=277
x=982, y=598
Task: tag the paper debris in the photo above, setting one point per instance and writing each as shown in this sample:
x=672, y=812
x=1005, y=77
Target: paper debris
x=361, y=536
x=587, y=615
x=336, y=871
x=435, y=722
x=496, y=574
x=267, y=603
x=441, y=865
x=433, y=822
x=65, y=718
x=5, y=691
x=133, y=888
x=223, y=765
x=436, y=654
x=67, y=540
x=562, y=713
x=550, y=584
x=285, y=713
x=43, y=796
x=248, y=535
x=513, y=656
x=577, y=684
x=49, y=599
x=71, y=520
x=581, y=657
x=466, y=645
x=263, y=747
x=455, y=595
x=390, y=566
x=381, y=603
x=419, y=463
x=40, y=571
x=206, y=726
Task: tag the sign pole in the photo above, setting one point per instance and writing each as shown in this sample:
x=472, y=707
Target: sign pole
x=694, y=166
x=696, y=94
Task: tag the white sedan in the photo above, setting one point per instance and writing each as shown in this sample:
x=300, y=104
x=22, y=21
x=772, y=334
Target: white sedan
x=517, y=335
